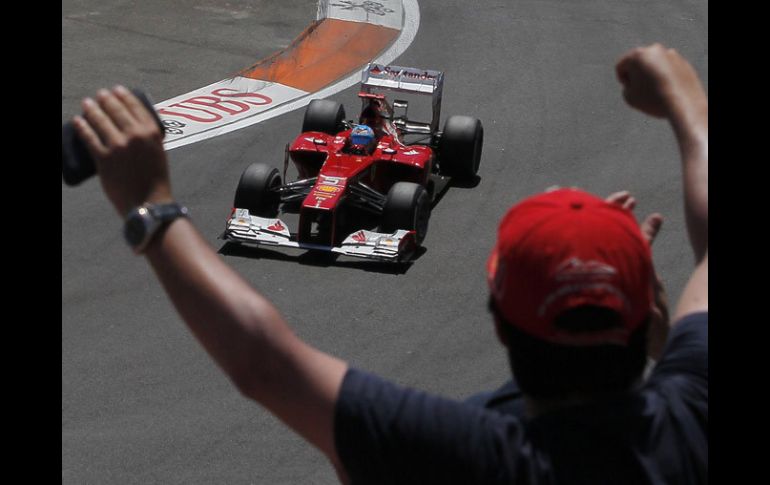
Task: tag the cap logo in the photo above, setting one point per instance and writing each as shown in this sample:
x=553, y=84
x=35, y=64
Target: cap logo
x=581, y=288
x=575, y=268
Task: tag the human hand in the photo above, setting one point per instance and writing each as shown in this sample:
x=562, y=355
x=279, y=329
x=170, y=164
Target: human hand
x=659, y=314
x=127, y=147
x=658, y=81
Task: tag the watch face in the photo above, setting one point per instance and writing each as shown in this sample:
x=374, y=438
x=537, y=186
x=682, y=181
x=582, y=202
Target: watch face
x=144, y=221
x=135, y=229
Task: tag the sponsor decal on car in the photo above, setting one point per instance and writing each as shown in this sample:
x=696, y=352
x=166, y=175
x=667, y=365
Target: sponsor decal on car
x=328, y=189
x=277, y=227
x=402, y=73
x=336, y=181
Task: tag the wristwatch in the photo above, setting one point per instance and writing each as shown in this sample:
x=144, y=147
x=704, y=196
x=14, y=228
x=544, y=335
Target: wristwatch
x=143, y=222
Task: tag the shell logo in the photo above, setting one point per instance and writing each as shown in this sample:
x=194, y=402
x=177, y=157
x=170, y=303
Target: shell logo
x=328, y=189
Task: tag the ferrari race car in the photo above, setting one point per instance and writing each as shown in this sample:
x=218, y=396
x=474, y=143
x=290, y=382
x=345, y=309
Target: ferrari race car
x=362, y=189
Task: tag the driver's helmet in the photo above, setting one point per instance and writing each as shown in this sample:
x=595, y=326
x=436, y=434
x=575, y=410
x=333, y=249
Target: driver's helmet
x=361, y=135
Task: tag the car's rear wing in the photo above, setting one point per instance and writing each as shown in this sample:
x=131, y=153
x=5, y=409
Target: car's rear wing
x=405, y=79
x=376, y=77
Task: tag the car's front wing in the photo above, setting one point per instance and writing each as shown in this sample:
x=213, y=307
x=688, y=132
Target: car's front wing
x=245, y=228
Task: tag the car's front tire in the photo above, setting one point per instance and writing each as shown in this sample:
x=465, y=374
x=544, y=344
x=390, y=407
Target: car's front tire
x=257, y=190
x=407, y=207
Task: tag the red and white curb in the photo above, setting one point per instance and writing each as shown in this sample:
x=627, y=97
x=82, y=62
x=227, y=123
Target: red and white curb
x=239, y=102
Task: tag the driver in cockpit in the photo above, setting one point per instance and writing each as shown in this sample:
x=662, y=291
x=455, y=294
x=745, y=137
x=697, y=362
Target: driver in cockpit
x=372, y=116
x=362, y=140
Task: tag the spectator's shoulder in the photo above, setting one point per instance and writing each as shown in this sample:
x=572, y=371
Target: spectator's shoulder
x=387, y=433
x=686, y=352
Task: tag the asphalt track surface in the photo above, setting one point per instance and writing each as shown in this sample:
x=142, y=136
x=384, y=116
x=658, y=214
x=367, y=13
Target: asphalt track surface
x=141, y=400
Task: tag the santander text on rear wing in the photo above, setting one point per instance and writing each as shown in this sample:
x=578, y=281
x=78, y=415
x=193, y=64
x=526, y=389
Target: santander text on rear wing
x=376, y=77
x=404, y=79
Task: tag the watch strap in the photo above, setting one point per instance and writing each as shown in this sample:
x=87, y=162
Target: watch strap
x=167, y=212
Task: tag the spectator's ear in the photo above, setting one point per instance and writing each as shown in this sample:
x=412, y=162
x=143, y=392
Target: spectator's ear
x=501, y=335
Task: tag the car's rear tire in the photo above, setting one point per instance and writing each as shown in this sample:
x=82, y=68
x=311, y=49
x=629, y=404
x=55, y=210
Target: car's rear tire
x=460, y=147
x=324, y=115
x=256, y=190
x=407, y=207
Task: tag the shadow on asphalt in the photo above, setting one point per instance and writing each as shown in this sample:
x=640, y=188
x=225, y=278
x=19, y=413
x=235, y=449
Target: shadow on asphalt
x=324, y=259
x=442, y=186
x=467, y=184
x=320, y=259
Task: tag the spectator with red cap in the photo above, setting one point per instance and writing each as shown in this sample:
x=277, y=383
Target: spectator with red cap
x=572, y=291
x=591, y=291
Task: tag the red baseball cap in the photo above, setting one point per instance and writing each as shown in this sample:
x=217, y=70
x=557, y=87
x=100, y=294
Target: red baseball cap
x=567, y=248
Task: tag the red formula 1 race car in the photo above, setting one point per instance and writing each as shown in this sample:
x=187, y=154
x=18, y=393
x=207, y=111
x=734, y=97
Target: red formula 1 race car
x=362, y=189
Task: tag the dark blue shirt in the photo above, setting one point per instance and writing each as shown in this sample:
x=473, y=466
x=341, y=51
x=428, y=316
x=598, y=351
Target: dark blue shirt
x=657, y=434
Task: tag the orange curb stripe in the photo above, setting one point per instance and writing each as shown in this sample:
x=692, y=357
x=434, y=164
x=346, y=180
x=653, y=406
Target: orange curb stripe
x=323, y=53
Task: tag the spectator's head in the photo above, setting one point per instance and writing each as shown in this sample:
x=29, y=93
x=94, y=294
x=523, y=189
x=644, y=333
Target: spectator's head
x=570, y=279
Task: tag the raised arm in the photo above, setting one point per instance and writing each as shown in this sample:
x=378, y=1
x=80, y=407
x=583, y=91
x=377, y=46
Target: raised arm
x=239, y=328
x=661, y=83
